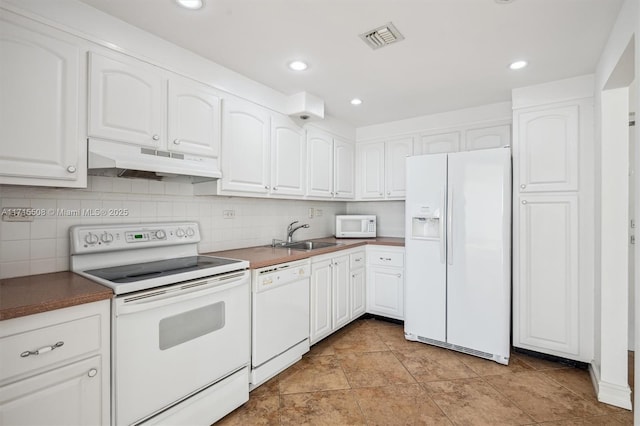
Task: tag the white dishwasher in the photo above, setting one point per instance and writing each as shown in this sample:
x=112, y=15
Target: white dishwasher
x=280, y=318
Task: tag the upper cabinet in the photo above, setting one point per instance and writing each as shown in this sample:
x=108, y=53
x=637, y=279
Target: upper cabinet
x=330, y=166
x=42, y=84
x=487, y=137
x=288, y=157
x=137, y=103
x=438, y=143
x=548, y=143
x=381, y=169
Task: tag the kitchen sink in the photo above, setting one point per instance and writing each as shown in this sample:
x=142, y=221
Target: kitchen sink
x=308, y=245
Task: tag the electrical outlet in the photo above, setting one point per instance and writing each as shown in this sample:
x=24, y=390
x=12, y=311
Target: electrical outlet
x=228, y=214
x=310, y=212
x=318, y=212
x=18, y=214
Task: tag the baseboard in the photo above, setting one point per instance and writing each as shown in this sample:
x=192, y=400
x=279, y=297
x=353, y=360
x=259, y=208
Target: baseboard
x=610, y=393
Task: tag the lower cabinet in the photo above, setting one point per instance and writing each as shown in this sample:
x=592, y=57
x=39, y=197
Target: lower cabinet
x=358, y=305
x=385, y=281
x=336, y=296
x=54, y=367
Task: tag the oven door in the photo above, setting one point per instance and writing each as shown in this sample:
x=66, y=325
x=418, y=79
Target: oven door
x=169, y=343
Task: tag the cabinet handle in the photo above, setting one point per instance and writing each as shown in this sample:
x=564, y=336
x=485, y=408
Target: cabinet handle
x=155, y=137
x=176, y=142
x=275, y=188
x=92, y=372
x=353, y=276
x=71, y=169
x=388, y=259
x=381, y=193
x=357, y=260
x=41, y=350
x=523, y=186
x=399, y=275
x=266, y=187
x=524, y=201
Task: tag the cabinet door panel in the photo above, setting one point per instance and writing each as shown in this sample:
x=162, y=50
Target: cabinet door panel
x=437, y=144
x=396, y=154
x=319, y=164
x=371, y=171
x=343, y=165
x=321, y=312
x=548, y=149
x=69, y=395
x=385, y=292
x=358, y=294
x=194, y=119
x=245, y=147
x=487, y=137
x=288, y=160
x=340, y=291
x=126, y=102
x=39, y=107
x=547, y=290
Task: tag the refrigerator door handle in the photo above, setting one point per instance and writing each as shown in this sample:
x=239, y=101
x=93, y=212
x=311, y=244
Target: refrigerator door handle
x=443, y=237
x=450, y=224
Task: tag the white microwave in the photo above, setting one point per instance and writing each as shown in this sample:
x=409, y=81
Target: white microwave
x=355, y=226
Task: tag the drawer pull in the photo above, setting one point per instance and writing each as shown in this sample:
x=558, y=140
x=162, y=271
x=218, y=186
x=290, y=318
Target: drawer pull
x=41, y=350
x=92, y=372
x=388, y=259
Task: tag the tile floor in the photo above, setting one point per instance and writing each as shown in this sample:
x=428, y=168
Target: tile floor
x=368, y=374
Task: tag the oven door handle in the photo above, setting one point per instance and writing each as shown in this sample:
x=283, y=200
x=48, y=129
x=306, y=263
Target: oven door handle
x=144, y=302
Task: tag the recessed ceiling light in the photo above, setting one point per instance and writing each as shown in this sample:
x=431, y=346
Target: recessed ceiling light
x=518, y=65
x=298, y=65
x=356, y=101
x=190, y=4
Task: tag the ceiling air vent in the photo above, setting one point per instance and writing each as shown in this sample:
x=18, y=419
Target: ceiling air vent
x=382, y=36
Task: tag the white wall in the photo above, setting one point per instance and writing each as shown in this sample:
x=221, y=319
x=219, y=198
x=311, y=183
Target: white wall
x=42, y=246
x=390, y=215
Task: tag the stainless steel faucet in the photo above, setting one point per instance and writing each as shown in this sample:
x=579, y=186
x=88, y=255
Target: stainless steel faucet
x=291, y=230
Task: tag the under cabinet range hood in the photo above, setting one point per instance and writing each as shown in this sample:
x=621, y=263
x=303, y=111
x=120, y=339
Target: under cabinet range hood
x=124, y=160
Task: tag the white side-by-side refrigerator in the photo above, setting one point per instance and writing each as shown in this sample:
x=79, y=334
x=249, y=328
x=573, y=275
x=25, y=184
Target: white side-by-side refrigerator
x=458, y=251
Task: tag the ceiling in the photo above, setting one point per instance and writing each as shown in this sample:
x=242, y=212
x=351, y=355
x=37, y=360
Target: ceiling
x=455, y=53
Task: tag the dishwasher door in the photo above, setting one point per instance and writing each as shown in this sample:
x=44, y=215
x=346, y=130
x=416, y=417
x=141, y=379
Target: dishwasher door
x=280, y=310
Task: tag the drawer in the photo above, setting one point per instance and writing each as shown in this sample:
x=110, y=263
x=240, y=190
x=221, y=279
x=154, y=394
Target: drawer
x=386, y=258
x=78, y=337
x=357, y=260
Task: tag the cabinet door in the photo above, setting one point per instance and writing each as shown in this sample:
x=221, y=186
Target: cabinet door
x=245, y=147
x=321, y=277
x=340, y=291
x=319, y=164
x=546, y=290
x=385, y=292
x=396, y=154
x=436, y=144
x=371, y=171
x=40, y=86
x=546, y=149
x=343, y=165
x=487, y=137
x=288, y=160
x=126, y=101
x=194, y=118
x=358, y=301
x=69, y=395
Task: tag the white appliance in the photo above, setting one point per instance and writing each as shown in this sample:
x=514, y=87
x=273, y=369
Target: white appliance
x=458, y=234
x=180, y=322
x=355, y=226
x=280, y=320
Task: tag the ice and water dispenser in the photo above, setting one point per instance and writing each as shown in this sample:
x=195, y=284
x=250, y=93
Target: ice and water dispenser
x=425, y=224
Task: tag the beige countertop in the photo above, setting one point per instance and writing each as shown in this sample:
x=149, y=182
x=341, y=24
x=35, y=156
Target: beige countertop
x=262, y=256
x=33, y=294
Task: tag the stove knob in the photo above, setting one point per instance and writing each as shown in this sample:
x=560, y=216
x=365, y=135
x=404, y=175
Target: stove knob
x=106, y=237
x=190, y=232
x=90, y=238
x=161, y=235
x=180, y=233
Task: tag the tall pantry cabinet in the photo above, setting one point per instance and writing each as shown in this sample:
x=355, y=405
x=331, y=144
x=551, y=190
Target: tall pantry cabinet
x=553, y=193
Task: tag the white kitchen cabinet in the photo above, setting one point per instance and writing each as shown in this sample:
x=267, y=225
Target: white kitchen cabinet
x=126, y=101
x=42, y=86
x=487, y=137
x=330, y=166
x=358, y=305
x=437, y=143
x=288, y=157
x=396, y=153
x=321, y=303
x=546, y=263
x=65, y=385
x=381, y=169
x=193, y=118
x=385, y=281
x=245, y=157
x=548, y=147
x=341, y=294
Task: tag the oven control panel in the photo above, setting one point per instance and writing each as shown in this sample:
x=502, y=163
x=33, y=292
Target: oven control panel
x=121, y=237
